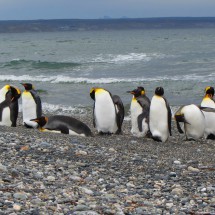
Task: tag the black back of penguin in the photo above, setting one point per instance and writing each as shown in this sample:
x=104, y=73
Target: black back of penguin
x=66, y=123
x=120, y=112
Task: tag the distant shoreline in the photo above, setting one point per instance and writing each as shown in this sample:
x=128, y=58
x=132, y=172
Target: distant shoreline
x=63, y=25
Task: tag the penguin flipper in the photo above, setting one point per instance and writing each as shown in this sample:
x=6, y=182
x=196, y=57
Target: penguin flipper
x=63, y=129
x=179, y=127
x=120, y=112
x=94, y=120
x=14, y=110
x=169, y=115
x=207, y=109
x=140, y=118
x=2, y=106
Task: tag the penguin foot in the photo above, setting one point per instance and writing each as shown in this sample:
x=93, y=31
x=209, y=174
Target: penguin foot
x=104, y=133
x=211, y=137
x=190, y=139
x=156, y=138
x=148, y=134
x=119, y=132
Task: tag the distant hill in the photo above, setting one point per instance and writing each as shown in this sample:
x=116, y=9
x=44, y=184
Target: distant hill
x=104, y=24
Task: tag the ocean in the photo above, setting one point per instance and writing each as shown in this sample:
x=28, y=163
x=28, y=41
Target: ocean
x=63, y=66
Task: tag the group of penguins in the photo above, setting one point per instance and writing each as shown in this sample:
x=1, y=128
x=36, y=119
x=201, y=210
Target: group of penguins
x=149, y=118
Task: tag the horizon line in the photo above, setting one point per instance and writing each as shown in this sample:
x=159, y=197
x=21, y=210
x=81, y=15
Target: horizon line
x=110, y=18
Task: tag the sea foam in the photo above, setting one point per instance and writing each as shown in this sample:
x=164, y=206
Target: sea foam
x=103, y=80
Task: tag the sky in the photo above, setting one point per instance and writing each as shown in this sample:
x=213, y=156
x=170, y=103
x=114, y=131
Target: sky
x=93, y=9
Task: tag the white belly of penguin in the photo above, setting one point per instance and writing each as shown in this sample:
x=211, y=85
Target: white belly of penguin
x=209, y=123
x=105, y=114
x=207, y=102
x=196, y=122
x=71, y=132
x=136, y=110
x=158, y=118
x=6, y=117
x=29, y=110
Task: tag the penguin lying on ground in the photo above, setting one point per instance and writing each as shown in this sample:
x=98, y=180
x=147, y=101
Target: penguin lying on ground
x=193, y=120
x=62, y=124
x=9, y=106
x=108, y=111
x=31, y=105
x=160, y=116
x=208, y=101
x=140, y=106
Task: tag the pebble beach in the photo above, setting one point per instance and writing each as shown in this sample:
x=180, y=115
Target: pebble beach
x=49, y=173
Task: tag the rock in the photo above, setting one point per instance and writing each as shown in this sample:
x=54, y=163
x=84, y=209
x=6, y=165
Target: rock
x=192, y=169
x=177, y=162
x=3, y=168
x=17, y=207
x=50, y=178
x=75, y=178
x=177, y=191
x=172, y=174
x=21, y=196
x=81, y=208
x=169, y=205
x=81, y=152
x=45, y=145
x=112, y=150
x=87, y=191
x=85, y=213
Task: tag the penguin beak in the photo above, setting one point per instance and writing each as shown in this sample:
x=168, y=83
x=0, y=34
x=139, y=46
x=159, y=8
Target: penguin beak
x=35, y=120
x=131, y=92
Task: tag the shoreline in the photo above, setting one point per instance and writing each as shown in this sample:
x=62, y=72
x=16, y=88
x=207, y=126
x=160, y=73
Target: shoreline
x=49, y=173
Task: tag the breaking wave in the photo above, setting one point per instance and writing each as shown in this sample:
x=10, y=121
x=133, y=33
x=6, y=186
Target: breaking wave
x=84, y=80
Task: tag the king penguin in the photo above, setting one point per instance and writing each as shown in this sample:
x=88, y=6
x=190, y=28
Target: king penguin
x=208, y=100
x=140, y=105
x=62, y=124
x=9, y=106
x=31, y=105
x=108, y=111
x=193, y=119
x=160, y=116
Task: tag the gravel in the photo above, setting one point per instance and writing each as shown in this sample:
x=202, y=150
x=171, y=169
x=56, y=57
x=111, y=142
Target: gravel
x=49, y=173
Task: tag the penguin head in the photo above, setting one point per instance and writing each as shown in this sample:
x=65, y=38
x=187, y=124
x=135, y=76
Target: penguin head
x=92, y=93
x=15, y=93
x=11, y=93
x=137, y=92
x=27, y=86
x=159, y=91
x=209, y=92
x=41, y=121
x=5, y=89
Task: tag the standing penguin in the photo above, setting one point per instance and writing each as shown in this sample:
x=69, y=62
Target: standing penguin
x=62, y=124
x=31, y=105
x=160, y=116
x=208, y=100
x=108, y=111
x=140, y=106
x=9, y=106
x=193, y=119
